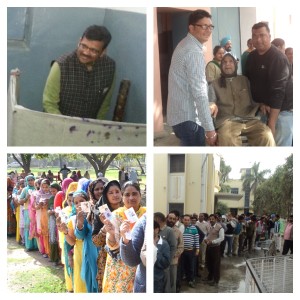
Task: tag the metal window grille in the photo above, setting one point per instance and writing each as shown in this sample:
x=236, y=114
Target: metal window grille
x=271, y=274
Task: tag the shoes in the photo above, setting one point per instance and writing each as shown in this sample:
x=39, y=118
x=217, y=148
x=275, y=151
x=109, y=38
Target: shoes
x=45, y=255
x=191, y=284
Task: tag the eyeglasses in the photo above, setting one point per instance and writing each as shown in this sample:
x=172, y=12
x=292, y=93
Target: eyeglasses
x=205, y=27
x=84, y=47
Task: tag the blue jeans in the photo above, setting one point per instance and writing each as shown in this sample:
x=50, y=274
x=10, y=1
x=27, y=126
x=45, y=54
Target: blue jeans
x=229, y=240
x=284, y=129
x=190, y=134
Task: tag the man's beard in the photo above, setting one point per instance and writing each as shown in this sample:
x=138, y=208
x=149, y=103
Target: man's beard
x=170, y=224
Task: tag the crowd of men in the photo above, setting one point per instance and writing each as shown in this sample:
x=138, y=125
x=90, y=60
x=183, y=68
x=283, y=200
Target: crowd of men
x=190, y=243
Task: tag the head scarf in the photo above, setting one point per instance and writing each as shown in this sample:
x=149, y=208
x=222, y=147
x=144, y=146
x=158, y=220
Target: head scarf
x=104, y=200
x=81, y=181
x=225, y=40
x=10, y=184
x=28, y=177
x=58, y=200
x=92, y=186
x=56, y=186
x=72, y=188
x=222, y=79
x=65, y=184
x=85, y=185
x=81, y=193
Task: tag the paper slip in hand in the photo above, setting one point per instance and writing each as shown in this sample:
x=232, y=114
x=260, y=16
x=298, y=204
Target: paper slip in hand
x=104, y=209
x=131, y=215
x=85, y=207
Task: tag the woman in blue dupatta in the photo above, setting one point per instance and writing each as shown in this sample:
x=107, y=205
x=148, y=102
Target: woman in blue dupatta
x=84, y=228
x=30, y=244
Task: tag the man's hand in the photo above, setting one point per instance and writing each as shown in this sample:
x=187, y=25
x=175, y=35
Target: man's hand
x=265, y=109
x=213, y=109
x=211, y=138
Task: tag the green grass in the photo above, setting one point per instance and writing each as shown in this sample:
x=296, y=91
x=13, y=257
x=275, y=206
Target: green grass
x=41, y=280
x=19, y=261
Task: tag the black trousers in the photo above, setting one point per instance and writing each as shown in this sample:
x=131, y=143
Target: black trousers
x=188, y=264
x=213, y=261
x=288, y=245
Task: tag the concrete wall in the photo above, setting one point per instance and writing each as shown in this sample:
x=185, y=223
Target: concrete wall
x=64, y=130
x=39, y=35
x=227, y=22
x=160, y=181
x=197, y=167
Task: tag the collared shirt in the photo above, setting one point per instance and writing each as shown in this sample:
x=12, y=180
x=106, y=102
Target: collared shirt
x=180, y=226
x=277, y=227
x=204, y=226
x=188, y=92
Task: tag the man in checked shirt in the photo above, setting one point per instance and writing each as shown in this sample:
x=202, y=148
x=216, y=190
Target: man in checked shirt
x=187, y=111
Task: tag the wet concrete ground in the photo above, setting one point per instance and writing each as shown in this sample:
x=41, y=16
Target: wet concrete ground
x=233, y=273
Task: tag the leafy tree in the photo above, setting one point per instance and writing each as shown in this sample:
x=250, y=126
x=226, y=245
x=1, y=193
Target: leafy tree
x=254, y=178
x=224, y=170
x=275, y=195
x=222, y=208
x=100, y=162
x=24, y=160
x=224, y=176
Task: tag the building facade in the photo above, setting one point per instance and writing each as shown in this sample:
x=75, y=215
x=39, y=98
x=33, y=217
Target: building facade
x=186, y=182
x=238, y=201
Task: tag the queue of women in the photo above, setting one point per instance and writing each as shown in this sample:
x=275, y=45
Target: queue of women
x=85, y=227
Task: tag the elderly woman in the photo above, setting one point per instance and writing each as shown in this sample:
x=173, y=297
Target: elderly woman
x=118, y=277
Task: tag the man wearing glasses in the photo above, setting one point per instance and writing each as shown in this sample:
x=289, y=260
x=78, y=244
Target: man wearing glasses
x=188, y=110
x=80, y=83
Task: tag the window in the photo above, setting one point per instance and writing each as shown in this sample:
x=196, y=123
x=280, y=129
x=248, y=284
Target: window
x=234, y=191
x=177, y=206
x=177, y=163
x=19, y=24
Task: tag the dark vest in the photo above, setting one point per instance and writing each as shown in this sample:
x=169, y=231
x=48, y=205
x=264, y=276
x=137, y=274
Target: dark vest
x=81, y=91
